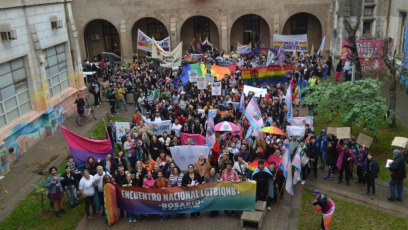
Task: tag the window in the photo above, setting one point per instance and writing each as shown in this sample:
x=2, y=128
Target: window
x=155, y=28
x=14, y=95
x=111, y=38
x=298, y=24
x=367, y=27
x=201, y=28
x=368, y=10
x=251, y=29
x=56, y=69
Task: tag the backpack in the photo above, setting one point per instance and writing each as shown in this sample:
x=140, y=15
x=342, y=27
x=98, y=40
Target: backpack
x=91, y=88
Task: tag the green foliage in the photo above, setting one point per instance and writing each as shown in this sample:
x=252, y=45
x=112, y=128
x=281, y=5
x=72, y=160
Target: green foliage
x=348, y=215
x=358, y=102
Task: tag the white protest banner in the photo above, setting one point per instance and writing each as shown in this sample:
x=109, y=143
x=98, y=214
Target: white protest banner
x=150, y=99
x=158, y=127
x=188, y=154
x=201, y=82
x=216, y=89
x=209, y=78
x=144, y=42
x=295, y=130
x=121, y=130
x=202, y=112
x=302, y=121
x=258, y=92
x=169, y=59
x=235, y=105
x=291, y=42
x=192, y=76
x=364, y=140
x=400, y=142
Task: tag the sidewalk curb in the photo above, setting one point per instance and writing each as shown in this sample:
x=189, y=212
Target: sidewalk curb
x=361, y=199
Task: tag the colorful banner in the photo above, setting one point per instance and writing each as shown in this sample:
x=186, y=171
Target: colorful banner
x=289, y=102
x=188, y=154
x=257, y=92
x=158, y=127
x=210, y=133
x=196, y=138
x=202, y=112
x=109, y=195
x=81, y=148
x=144, y=42
x=253, y=114
x=370, y=53
x=290, y=42
x=272, y=74
x=169, y=59
x=201, y=198
x=264, y=51
x=121, y=130
x=216, y=88
x=244, y=49
x=302, y=121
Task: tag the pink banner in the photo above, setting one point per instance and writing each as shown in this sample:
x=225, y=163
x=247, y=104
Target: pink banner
x=370, y=53
x=196, y=138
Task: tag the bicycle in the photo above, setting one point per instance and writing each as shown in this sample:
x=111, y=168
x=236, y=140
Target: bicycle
x=81, y=120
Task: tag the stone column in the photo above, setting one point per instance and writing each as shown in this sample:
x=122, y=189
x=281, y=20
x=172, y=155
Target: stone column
x=224, y=34
x=174, y=40
x=126, y=42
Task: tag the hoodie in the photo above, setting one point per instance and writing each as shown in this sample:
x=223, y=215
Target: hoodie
x=322, y=140
x=398, y=166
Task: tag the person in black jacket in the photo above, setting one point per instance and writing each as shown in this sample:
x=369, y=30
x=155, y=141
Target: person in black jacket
x=69, y=183
x=192, y=179
x=313, y=152
x=398, y=173
x=262, y=176
x=112, y=134
x=371, y=171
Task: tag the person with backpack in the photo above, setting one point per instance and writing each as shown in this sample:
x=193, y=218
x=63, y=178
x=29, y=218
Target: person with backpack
x=111, y=98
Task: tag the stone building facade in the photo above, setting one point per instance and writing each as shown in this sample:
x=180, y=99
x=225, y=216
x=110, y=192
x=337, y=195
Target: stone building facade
x=106, y=25
x=40, y=72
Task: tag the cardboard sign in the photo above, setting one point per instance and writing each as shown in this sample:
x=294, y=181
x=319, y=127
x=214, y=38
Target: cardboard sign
x=121, y=130
x=209, y=78
x=192, y=76
x=364, y=140
x=216, y=89
x=201, y=84
x=295, y=130
x=400, y=142
x=340, y=132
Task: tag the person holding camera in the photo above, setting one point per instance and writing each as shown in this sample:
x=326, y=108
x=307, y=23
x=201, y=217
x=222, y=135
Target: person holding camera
x=324, y=205
x=111, y=97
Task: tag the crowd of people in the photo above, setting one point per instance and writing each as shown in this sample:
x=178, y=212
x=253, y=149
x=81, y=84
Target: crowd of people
x=145, y=160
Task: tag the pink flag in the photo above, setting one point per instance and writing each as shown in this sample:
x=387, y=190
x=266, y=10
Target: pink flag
x=196, y=138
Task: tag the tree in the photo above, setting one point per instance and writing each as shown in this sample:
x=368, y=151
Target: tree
x=352, y=31
x=359, y=102
x=390, y=63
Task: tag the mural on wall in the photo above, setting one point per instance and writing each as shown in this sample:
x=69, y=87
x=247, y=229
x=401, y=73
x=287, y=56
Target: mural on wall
x=25, y=135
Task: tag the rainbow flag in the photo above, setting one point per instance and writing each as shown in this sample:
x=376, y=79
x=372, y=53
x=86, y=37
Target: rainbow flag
x=222, y=113
x=295, y=98
x=272, y=74
x=111, y=210
x=244, y=49
x=296, y=54
x=303, y=46
x=193, y=46
x=136, y=117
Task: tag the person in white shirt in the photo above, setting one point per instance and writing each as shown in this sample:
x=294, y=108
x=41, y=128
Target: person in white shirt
x=233, y=149
x=157, y=117
x=241, y=167
x=176, y=127
x=99, y=177
x=165, y=140
x=86, y=188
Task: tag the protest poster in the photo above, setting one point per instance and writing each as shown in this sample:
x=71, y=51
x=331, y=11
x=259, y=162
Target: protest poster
x=181, y=199
x=295, y=130
x=144, y=42
x=121, y=130
x=209, y=78
x=340, y=132
x=168, y=59
x=188, y=154
x=364, y=140
x=202, y=112
x=235, y=105
x=158, y=127
x=150, y=99
x=216, y=89
x=258, y=92
x=201, y=82
x=192, y=76
x=400, y=142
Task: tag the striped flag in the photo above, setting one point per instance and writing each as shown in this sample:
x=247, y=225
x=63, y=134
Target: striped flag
x=210, y=134
x=321, y=46
x=288, y=101
x=286, y=167
x=298, y=167
x=253, y=114
x=242, y=102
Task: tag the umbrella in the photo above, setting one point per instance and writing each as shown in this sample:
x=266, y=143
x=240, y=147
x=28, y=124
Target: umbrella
x=274, y=130
x=227, y=126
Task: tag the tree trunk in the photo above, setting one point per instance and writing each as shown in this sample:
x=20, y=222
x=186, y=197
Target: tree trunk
x=351, y=31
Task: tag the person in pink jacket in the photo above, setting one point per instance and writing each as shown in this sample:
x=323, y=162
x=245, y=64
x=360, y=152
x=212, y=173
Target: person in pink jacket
x=230, y=174
x=344, y=162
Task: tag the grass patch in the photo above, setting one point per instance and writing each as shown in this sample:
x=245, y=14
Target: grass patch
x=29, y=215
x=381, y=147
x=348, y=215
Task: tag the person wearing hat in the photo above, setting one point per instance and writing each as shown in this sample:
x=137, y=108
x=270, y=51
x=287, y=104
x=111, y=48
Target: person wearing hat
x=398, y=173
x=324, y=205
